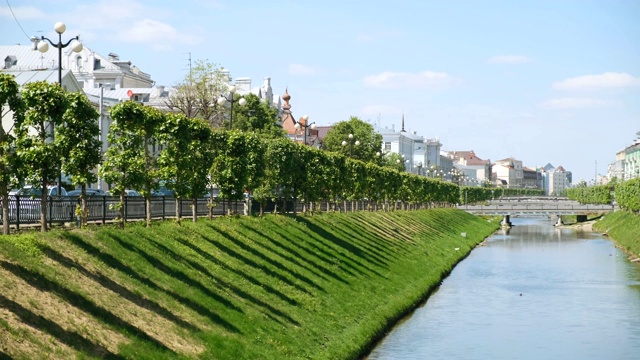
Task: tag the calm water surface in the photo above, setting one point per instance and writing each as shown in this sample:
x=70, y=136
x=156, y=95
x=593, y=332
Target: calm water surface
x=534, y=293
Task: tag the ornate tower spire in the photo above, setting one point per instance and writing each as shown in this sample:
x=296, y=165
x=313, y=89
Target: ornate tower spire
x=402, y=123
x=286, y=97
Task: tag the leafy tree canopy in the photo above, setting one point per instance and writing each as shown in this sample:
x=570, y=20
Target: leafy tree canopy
x=257, y=116
x=197, y=95
x=369, y=141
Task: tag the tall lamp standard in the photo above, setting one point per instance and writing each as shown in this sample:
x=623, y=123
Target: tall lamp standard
x=351, y=143
x=43, y=47
x=419, y=166
x=305, y=126
x=223, y=100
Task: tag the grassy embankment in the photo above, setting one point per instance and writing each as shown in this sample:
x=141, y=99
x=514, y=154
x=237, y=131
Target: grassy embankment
x=624, y=228
x=322, y=287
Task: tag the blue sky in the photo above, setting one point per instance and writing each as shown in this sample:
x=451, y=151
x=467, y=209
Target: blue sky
x=542, y=81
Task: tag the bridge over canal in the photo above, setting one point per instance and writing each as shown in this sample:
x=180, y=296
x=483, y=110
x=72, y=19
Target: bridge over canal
x=535, y=208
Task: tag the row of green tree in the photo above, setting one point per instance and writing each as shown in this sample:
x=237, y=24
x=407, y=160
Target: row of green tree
x=54, y=130
x=476, y=194
x=625, y=193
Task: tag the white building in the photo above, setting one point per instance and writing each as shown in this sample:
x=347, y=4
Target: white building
x=557, y=182
x=509, y=172
x=419, y=153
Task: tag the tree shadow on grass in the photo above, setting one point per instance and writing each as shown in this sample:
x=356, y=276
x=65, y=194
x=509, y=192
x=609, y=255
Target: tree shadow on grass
x=251, y=279
x=270, y=261
x=118, y=265
x=349, y=247
x=363, y=254
x=236, y=290
x=4, y=356
x=377, y=248
x=319, y=270
x=117, y=288
x=43, y=284
x=254, y=264
x=344, y=261
x=69, y=338
x=176, y=274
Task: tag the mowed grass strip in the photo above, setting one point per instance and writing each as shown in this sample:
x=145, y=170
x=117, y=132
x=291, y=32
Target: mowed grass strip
x=624, y=228
x=321, y=287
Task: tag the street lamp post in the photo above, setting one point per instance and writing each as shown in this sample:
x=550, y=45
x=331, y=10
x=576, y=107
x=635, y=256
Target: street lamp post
x=419, y=166
x=351, y=143
x=223, y=100
x=43, y=47
x=305, y=126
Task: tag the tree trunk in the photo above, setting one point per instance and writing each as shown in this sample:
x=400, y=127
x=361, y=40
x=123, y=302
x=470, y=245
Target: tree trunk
x=194, y=209
x=295, y=202
x=122, y=206
x=43, y=207
x=177, y=202
x=5, y=210
x=147, y=201
x=83, y=207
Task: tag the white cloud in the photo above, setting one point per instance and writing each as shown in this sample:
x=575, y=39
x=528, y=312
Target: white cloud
x=132, y=22
x=509, y=59
x=608, y=80
x=156, y=34
x=299, y=69
x=22, y=13
x=575, y=103
x=389, y=79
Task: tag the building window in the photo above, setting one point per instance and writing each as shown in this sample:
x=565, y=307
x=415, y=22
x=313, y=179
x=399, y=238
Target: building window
x=96, y=64
x=79, y=63
x=387, y=146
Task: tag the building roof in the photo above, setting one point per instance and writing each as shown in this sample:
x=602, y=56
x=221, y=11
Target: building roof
x=69, y=82
x=469, y=157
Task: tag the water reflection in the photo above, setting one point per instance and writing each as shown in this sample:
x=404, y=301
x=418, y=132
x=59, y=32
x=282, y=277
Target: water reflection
x=532, y=292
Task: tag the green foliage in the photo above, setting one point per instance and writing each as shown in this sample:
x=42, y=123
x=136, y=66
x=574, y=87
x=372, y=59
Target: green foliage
x=186, y=157
x=78, y=140
x=45, y=106
x=475, y=194
x=10, y=167
x=124, y=165
x=230, y=170
x=39, y=153
x=628, y=194
x=257, y=117
x=394, y=161
x=370, y=141
x=591, y=195
x=129, y=163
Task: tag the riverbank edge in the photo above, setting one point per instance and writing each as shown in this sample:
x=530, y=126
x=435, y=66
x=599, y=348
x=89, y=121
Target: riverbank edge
x=397, y=258
x=623, y=228
x=430, y=290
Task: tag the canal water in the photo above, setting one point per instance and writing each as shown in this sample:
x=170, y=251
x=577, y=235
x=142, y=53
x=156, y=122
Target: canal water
x=536, y=292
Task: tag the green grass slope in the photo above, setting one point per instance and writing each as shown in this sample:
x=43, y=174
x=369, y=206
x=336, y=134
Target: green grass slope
x=321, y=287
x=624, y=228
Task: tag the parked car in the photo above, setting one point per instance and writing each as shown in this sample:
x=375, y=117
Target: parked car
x=127, y=192
x=90, y=192
x=33, y=191
x=30, y=204
x=163, y=191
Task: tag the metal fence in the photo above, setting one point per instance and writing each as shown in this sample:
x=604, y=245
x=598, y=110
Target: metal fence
x=101, y=209
x=26, y=210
